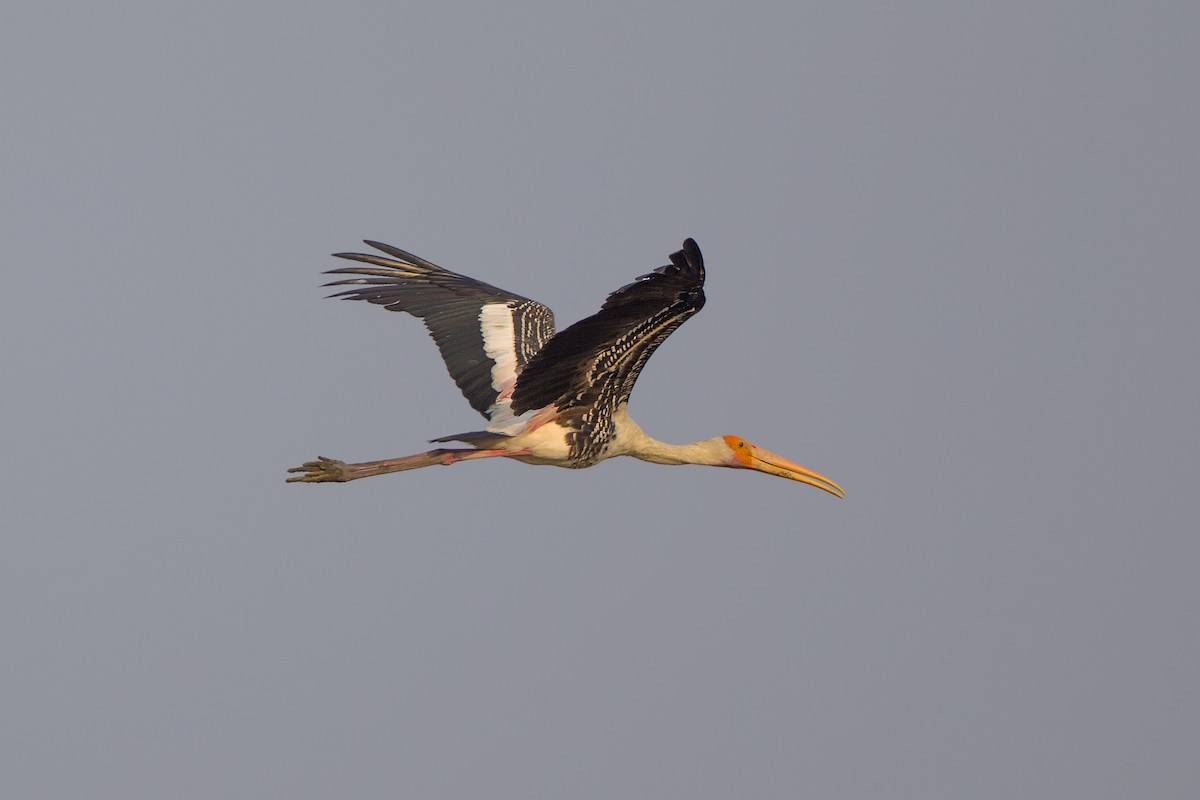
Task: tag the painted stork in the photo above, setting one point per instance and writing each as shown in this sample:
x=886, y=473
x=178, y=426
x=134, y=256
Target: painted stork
x=549, y=398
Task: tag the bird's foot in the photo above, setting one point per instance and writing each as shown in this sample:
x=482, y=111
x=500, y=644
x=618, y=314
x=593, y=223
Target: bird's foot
x=321, y=471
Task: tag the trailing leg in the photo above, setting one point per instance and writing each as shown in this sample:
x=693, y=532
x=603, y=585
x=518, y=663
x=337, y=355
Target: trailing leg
x=331, y=470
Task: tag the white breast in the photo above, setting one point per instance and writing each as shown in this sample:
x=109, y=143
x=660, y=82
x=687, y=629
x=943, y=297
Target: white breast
x=548, y=443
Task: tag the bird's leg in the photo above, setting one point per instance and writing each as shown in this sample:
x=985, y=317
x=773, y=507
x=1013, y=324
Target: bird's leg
x=329, y=469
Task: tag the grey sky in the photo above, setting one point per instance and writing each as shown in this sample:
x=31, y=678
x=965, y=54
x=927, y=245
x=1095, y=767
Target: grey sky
x=952, y=258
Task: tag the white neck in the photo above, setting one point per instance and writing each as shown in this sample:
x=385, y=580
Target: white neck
x=632, y=441
x=713, y=452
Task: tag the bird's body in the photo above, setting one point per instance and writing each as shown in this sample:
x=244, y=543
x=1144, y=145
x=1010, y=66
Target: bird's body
x=550, y=398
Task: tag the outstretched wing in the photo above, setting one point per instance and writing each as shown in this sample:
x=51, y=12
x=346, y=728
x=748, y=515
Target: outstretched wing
x=486, y=335
x=592, y=365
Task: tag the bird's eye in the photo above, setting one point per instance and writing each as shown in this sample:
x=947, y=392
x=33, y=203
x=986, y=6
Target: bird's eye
x=741, y=444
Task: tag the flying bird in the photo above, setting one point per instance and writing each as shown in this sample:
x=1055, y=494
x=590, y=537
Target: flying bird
x=549, y=398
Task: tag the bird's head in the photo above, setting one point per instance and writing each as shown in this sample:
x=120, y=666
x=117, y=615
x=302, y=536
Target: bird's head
x=743, y=455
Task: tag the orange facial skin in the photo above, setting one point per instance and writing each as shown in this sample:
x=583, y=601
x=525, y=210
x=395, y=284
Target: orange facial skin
x=747, y=456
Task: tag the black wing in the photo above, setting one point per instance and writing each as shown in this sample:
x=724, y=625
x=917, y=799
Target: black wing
x=595, y=362
x=486, y=335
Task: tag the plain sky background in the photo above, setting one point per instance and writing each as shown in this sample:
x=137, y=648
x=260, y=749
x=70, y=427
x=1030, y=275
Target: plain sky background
x=953, y=265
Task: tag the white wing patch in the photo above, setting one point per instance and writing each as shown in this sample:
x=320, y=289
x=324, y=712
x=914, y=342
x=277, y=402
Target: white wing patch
x=499, y=345
x=496, y=324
